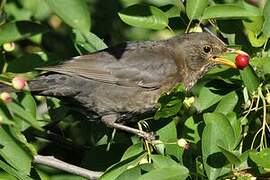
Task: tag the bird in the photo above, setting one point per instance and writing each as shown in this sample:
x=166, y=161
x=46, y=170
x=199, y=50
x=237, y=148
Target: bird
x=126, y=80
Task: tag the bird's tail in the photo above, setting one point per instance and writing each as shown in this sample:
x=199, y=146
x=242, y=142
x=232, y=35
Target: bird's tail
x=51, y=85
x=38, y=85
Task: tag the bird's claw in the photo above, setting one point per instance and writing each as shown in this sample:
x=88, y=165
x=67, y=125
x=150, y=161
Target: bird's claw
x=149, y=136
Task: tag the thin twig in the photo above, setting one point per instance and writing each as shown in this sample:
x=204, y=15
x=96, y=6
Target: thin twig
x=264, y=119
x=170, y=29
x=255, y=136
x=253, y=109
x=61, y=165
x=265, y=44
x=188, y=26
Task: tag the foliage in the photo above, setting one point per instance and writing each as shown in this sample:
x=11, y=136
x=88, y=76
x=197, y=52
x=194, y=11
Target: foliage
x=224, y=118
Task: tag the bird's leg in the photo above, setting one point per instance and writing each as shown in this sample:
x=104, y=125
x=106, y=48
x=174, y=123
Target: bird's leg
x=110, y=120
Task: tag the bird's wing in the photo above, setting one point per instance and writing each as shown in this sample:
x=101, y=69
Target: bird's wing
x=132, y=65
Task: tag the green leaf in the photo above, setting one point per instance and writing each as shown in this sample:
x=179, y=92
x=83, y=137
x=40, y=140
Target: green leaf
x=88, y=42
x=256, y=41
x=132, y=151
x=170, y=104
x=191, y=130
x=237, y=127
x=25, y=115
x=178, y=4
x=168, y=132
x=28, y=62
x=122, y=166
x=160, y=3
x=250, y=7
x=224, y=130
x=4, y=175
x=266, y=14
x=17, y=30
x=169, y=109
x=172, y=12
x=261, y=158
x=143, y=16
x=227, y=103
x=10, y=170
x=195, y=8
x=74, y=12
x=218, y=131
x=160, y=161
x=165, y=168
x=13, y=153
x=18, y=13
x=261, y=63
x=167, y=173
x=22, y=141
x=254, y=23
x=65, y=177
x=227, y=11
x=231, y=157
x=206, y=99
x=29, y=104
x=5, y=116
x=39, y=8
x=250, y=79
x=135, y=172
x=266, y=67
x=174, y=151
x=244, y=157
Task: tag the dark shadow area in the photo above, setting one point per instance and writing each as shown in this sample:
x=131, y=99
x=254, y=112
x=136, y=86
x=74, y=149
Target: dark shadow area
x=221, y=87
x=216, y=160
x=118, y=50
x=29, y=62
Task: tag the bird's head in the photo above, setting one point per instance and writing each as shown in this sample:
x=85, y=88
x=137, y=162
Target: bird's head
x=197, y=53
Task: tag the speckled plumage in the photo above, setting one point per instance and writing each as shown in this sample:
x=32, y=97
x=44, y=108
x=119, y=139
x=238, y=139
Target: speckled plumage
x=128, y=79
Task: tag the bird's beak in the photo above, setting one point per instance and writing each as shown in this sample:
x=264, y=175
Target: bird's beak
x=223, y=61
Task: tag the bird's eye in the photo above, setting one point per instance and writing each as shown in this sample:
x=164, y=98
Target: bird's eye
x=207, y=49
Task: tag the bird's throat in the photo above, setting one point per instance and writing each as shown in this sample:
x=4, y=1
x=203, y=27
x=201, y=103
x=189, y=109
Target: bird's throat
x=190, y=77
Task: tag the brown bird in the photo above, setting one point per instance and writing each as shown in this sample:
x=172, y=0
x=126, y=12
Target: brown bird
x=124, y=81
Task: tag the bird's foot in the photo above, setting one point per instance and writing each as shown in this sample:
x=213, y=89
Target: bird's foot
x=149, y=136
x=109, y=120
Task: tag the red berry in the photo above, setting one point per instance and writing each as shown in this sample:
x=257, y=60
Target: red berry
x=18, y=83
x=5, y=97
x=241, y=61
x=183, y=143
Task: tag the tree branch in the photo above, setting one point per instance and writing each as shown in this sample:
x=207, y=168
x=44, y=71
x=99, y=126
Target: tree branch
x=61, y=165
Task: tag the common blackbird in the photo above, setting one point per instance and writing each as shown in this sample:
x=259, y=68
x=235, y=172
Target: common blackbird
x=124, y=81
